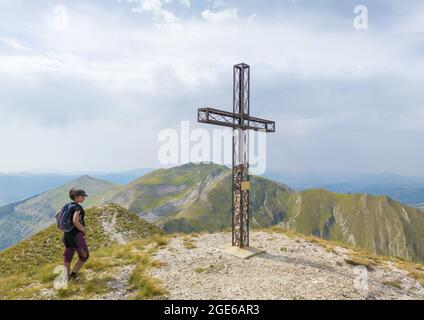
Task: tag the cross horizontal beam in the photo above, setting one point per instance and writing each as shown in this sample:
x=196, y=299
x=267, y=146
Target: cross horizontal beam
x=234, y=120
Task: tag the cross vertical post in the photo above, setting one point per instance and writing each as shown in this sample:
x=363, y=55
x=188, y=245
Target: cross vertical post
x=241, y=122
x=240, y=171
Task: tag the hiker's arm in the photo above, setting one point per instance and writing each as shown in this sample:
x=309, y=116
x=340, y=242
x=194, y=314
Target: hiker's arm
x=77, y=222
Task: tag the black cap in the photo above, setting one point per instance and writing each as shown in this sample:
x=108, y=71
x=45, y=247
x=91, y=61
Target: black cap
x=76, y=192
x=81, y=193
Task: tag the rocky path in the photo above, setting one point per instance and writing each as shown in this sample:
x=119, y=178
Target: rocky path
x=290, y=269
x=109, y=227
x=119, y=286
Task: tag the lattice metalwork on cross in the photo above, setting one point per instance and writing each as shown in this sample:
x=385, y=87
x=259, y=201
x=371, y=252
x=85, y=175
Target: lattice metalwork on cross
x=241, y=122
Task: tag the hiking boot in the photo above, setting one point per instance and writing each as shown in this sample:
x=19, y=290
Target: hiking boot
x=74, y=277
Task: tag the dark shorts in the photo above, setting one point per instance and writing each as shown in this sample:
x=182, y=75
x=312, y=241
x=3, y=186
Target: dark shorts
x=75, y=242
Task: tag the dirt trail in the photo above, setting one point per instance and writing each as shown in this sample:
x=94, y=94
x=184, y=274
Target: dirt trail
x=108, y=221
x=119, y=285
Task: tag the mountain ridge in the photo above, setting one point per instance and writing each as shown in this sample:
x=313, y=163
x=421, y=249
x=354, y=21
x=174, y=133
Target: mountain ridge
x=197, y=197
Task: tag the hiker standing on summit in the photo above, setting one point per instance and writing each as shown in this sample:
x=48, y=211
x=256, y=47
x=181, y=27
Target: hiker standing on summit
x=70, y=220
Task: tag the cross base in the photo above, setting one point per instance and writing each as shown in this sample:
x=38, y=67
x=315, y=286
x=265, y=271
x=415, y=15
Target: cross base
x=243, y=253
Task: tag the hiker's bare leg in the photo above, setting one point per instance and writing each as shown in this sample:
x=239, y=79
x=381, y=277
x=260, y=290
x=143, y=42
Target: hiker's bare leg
x=83, y=256
x=68, y=255
x=68, y=267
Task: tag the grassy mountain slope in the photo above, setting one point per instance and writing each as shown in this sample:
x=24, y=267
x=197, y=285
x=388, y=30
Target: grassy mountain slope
x=211, y=210
x=198, y=198
x=22, y=219
x=27, y=269
x=159, y=192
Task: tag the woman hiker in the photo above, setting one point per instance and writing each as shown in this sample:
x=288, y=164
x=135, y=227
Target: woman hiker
x=74, y=240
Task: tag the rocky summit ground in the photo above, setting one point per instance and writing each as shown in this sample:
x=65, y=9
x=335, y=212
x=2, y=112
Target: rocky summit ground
x=291, y=268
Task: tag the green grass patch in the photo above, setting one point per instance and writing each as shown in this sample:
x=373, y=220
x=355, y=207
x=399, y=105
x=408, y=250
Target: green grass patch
x=145, y=286
x=210, y=269
x=393, y=283
x=356, y=261
x=188, y=243
x=97, y=286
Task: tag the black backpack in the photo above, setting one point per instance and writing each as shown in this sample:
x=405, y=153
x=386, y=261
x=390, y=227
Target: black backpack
x=64, y=217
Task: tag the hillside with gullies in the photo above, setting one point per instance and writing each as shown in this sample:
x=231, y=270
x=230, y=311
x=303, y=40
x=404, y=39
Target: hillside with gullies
x=376, y=223
x=21, y=220
x=197, y=197
x=132, y=259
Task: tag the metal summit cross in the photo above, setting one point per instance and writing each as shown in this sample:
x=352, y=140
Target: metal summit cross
x=241, y=121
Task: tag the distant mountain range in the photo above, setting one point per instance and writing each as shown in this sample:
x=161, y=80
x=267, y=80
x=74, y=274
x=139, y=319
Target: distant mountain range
x=406, y=189
x=20, y=186
x=16, y=187
x=198, y=198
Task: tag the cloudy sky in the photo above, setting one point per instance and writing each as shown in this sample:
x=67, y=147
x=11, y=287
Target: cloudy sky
x=89, y=85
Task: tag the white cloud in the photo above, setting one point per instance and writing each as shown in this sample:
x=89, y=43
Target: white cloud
x=155, y=7
x=220, y=16
x=412, y=25
x=251, y=18
x=185, y=3
x=217, y=3
x=98, y=145
x=14, y=44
